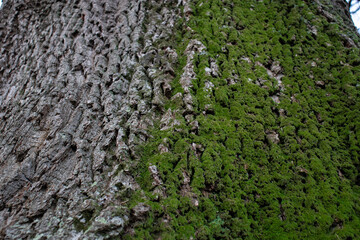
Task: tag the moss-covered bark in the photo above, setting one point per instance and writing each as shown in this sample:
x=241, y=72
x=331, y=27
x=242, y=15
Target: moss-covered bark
x=270, y=147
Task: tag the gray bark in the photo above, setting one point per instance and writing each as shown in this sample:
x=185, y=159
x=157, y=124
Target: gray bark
x=80, y=82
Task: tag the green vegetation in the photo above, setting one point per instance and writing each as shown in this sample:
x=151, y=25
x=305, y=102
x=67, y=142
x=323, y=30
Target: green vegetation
x=84, y=223
x=242, y=183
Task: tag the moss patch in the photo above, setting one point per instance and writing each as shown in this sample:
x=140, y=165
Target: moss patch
x=258, y=169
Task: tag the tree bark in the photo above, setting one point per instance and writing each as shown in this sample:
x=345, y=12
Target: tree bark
x=83, y=85
x=80, y=84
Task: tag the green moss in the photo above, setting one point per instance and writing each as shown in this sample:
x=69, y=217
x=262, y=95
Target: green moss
x=84, y=222
x=243, y=185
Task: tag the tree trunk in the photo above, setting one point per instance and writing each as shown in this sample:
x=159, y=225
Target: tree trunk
x=177, y=119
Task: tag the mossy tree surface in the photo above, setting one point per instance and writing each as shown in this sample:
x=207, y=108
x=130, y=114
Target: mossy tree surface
x=304, y=185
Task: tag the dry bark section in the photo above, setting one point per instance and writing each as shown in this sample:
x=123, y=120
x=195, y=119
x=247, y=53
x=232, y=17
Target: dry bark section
x=80, y=82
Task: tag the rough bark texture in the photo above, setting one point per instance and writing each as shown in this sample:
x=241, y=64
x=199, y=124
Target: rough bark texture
x=80, y=84
x=83, y=82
